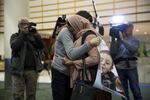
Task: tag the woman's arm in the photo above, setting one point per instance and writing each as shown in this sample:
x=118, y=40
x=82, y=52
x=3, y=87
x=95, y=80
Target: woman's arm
x=72, y=52
x=91, y=60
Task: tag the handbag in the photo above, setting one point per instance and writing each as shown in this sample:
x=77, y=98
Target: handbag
x=83, y=89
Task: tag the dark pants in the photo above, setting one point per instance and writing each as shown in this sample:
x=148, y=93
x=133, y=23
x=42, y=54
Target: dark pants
x=131, y=76
x=60, y=86
x=26, y=82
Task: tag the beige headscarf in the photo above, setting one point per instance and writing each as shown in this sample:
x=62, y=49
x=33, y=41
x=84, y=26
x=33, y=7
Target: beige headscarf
x=80, y=25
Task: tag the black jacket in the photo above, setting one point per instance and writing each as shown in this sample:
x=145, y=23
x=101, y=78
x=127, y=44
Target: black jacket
x=19, y=42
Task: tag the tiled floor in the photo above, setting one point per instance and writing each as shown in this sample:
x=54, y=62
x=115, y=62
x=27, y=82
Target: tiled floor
x=43, y=78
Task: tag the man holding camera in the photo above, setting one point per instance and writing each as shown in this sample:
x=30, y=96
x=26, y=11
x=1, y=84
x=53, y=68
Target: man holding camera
x=25, y=61
x=126, y=62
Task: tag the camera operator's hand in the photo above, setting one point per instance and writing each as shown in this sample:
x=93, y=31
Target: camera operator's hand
x=36, y=40
x=23, y=28
x=121, y=35
x=23, y=35
x=95, y=41
x=30, y=37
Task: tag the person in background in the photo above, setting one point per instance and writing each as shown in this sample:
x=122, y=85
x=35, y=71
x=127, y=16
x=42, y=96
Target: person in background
x=86, y=15
x=64, y=47
x=25, y=45
x=126, y=62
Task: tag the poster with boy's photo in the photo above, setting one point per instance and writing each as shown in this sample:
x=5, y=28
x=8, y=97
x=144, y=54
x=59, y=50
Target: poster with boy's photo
x=107, y=78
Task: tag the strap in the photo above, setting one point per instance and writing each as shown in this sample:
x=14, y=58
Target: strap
x=125, y=59
x=84, y=73
x=83, y=39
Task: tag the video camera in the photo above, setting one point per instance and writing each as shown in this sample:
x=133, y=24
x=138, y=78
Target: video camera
x=115, y=29
x=32, y=28
x=61, y=21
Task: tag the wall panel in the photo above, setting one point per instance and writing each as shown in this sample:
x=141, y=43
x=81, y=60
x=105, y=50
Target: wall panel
x=105, y=7
x=36, y=19
x=125, y=11
x=50, y=13
x=143, y=2
x=103, y=1
x=1, y=13
x=143, y=17
x=45, y=2
x=53, y=18
x=130, y=3
x=66, y=5
x=143, y=9
x=83, y=3
x=39, y=26
x=105, y=20
x=46, y=32
x=50, y=7
x=33, y=3
x=49, y=25
x=65, y=1
x=105, y=13
x=130, y=18
x=1, y=16
x=36, y=9
x=89, y=8
x=37, y=14
x=1, y=6
x=66, y=11
x=47, y=11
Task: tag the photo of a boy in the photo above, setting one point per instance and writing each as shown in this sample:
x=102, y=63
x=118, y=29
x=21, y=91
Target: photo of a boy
x=108, y=78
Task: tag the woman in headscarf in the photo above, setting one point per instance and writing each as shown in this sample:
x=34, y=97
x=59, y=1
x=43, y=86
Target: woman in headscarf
x=91, y=58
x=64, y=47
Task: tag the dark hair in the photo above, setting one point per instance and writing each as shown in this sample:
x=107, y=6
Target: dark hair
x=85, y=14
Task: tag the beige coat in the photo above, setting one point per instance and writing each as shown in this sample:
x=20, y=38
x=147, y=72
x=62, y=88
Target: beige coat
x=91, y=60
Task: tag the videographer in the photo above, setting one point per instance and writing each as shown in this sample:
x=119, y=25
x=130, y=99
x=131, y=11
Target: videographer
x=25, y=45
x=126, y=61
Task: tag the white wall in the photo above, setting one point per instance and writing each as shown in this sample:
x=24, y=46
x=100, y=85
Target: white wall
x=2, y=45
x=13, y=11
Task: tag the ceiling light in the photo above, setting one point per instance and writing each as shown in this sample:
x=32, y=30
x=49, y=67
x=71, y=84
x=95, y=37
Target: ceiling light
x=117, y=19
x=145, y=33
x=137, y=30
